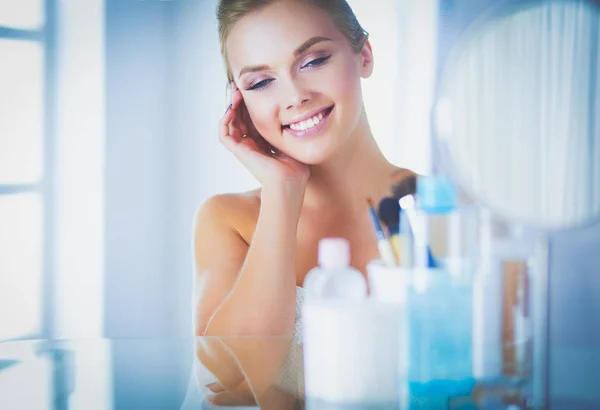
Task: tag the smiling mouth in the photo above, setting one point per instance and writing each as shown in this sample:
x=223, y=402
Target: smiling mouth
x=310, y=123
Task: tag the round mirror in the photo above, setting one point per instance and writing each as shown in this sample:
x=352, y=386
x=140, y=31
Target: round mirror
x=517, y=114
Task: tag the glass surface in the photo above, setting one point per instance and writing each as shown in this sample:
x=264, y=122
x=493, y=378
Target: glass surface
x=229, y=372
x=21, y=111
x=22, y=14
x=26, y=385
x=21, y=255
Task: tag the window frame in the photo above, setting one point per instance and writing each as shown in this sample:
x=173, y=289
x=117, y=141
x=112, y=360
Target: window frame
x=45, y=35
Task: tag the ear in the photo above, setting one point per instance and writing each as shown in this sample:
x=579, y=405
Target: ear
x=366, y=58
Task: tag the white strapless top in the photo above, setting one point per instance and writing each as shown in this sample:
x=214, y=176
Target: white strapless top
x=300, y=295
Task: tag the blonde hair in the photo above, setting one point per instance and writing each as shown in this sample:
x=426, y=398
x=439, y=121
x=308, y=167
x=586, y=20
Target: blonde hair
x=230, y=12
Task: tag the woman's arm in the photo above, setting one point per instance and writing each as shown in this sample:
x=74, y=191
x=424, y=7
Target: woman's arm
x=246, y=289
x=249, y=289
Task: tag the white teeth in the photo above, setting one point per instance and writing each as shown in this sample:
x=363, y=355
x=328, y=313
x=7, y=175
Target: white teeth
x=307, y=124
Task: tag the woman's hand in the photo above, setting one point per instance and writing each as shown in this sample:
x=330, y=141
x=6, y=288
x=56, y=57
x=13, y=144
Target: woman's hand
x=248, y=371
x=271, y=168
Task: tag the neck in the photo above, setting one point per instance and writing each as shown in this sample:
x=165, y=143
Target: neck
x=358, y=171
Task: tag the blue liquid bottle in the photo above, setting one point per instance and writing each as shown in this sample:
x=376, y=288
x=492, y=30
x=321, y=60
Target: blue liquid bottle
x=440, y=298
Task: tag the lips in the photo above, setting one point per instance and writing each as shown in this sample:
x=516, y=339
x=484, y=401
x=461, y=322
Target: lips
x=308, y=116
x=310, y=124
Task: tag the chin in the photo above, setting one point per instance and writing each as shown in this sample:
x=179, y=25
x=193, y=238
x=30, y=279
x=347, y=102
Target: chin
x=315, y=150
x=311, y=154
x=312, y=161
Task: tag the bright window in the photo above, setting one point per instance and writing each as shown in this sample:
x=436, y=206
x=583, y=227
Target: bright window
x=21, y=14
x=21, y=116
x=23, y=180
x=21, y=265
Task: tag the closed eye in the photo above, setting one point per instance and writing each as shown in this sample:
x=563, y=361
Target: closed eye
x=260, y=85
x=316, y=62
x=310, y=65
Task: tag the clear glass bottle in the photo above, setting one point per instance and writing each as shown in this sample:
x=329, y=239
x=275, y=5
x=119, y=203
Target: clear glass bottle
x=440, y=294
x=503, y=312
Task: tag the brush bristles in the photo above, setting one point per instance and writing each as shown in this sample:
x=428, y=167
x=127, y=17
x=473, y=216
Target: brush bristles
x=408, y=186
x=389, y=211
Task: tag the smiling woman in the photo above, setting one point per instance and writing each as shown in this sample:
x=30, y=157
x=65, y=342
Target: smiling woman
x=302, y=73
x=297, y=121
x=296, y=70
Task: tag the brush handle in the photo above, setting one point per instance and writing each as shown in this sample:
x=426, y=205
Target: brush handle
x=404, y=249
x=376, y=225
x=386, y=252
x=397, y=248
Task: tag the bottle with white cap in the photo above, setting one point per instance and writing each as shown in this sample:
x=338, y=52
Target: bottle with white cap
x=350, y=343
x=335, y=278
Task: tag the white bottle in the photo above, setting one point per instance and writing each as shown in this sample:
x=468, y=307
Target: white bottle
x=334, y=278
x=347, y=358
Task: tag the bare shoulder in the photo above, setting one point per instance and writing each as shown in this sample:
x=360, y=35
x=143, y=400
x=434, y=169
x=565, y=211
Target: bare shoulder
x=237, y=212
x=220, y=244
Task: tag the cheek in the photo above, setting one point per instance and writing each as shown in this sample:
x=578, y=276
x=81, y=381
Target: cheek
x=344, y=83
x=264, y=116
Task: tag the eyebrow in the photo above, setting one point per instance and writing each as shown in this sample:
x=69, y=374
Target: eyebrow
x=309, y=43
x=305, y=46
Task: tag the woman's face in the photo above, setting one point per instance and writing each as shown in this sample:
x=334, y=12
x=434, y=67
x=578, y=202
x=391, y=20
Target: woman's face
x=299, y=78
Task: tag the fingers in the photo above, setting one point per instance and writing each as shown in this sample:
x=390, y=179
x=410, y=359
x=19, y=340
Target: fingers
x=238, y=125
x=216, y=387
x=227, y=399
x=236, y=98
x=236, y=131
x=224, y=123
x=231, y=129
x=245, y=150
x=243, y=119
x=230, y=116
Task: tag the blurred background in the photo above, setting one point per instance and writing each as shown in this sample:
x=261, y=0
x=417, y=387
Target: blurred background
x=108, y=145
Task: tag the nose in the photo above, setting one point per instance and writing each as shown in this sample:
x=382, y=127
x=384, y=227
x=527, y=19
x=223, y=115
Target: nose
x=296, y=94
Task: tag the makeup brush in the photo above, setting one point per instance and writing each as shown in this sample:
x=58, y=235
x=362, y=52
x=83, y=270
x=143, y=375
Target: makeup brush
x=407, y=186
x=419, y=227
x=389, y=213
x=386, y=252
